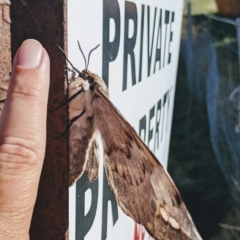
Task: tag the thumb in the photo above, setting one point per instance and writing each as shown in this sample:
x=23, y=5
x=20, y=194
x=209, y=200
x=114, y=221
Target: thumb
x=23, y=139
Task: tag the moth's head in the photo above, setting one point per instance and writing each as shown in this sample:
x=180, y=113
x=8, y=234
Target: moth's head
x=94, y=79
x=85, y=74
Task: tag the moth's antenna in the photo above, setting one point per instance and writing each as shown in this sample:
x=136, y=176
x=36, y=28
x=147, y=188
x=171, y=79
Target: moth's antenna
x=90, y=55
x=69, y=60
x=23, y=2
x=83, y=55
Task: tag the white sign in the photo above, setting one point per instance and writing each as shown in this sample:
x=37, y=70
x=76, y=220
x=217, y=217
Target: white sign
x=138, y=60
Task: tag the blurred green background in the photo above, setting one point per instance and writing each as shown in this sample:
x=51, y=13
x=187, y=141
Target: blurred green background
x=202, y=7
x=204, y=158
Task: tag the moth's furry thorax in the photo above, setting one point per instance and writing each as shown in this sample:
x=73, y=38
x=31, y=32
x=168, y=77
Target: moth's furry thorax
x=87, y=80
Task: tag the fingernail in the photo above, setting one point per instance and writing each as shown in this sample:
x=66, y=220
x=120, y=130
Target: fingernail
x=30, y=53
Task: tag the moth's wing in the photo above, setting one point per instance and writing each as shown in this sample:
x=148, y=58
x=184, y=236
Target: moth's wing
x=143, y=189
x=84, y=156
x=93, y=161
x=82, y=135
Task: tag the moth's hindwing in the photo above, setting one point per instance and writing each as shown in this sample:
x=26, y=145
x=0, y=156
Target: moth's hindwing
x=93, y=161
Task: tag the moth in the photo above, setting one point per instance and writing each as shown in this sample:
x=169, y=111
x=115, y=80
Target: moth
x=142, y=187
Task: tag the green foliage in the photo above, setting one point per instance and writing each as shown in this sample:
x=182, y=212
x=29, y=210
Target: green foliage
x=192, y=162
x=203, y=7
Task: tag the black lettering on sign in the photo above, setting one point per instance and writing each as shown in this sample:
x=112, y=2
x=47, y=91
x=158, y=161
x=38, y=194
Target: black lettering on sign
x=85, y=222
x=108, y=196
x=166, y=31
x=164, y=110
x=170, y=39
x=158, y=43
x=143, y=127
x=159, y=113
x=111, y=10
x=148, y=42
x=129, y=42
x=150, y=131
x=141, y=44
x=158, y=118
x=156, y=36
x=169, y=94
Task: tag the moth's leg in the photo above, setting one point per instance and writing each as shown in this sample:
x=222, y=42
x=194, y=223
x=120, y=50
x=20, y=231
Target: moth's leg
x=71, y=122
x=68, y=100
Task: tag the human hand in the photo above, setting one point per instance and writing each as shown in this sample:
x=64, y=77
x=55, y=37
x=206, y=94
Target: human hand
x=23, y=139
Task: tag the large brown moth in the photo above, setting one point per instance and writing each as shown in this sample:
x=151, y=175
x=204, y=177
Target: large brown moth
x=143, y=189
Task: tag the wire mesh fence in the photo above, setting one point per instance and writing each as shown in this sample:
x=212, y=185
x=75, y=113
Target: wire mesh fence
x=210, y=56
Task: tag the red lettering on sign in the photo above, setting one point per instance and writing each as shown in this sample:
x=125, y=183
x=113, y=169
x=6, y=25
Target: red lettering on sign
x=139, y=232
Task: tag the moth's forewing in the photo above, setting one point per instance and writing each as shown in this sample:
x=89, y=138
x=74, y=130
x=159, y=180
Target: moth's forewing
x=142, y=187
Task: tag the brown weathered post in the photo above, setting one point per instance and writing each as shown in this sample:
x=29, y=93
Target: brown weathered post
x=228, y=7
